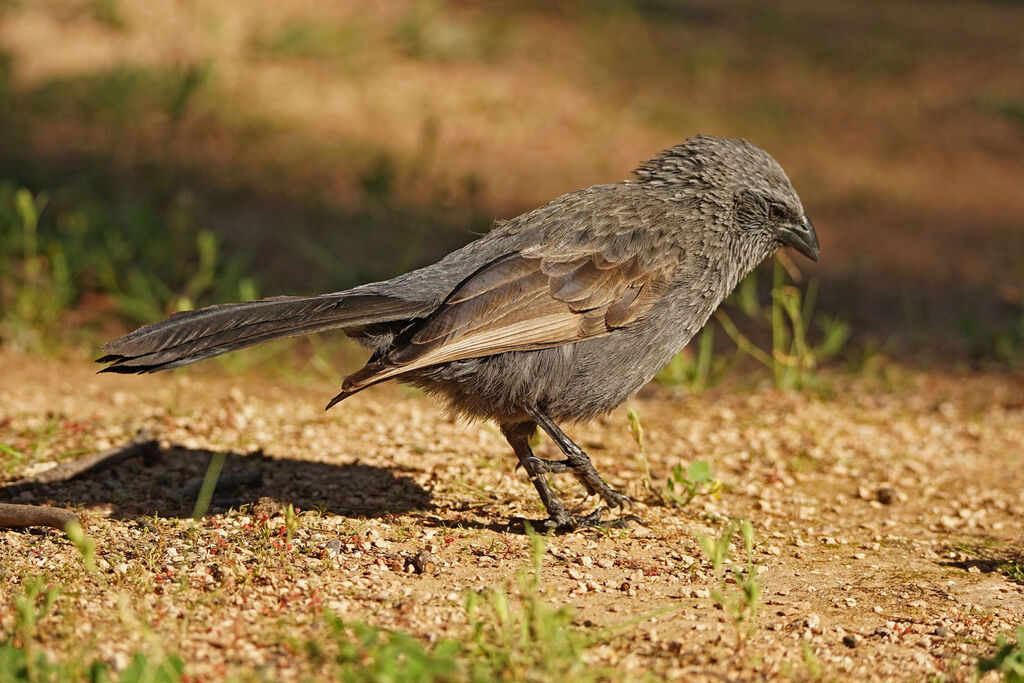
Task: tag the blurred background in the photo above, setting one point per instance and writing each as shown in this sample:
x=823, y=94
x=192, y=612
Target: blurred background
x=162, y=155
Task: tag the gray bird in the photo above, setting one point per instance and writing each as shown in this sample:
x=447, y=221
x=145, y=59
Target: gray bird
x=557, y=315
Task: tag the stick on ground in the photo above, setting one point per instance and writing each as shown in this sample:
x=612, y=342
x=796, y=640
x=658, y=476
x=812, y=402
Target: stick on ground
x=16, y=516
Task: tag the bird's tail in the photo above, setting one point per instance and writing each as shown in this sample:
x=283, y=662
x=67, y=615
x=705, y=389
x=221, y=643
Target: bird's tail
x=191, y=336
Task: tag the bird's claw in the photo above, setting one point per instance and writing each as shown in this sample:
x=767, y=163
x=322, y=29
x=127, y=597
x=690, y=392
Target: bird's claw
x=566, y=522
x=617, y=500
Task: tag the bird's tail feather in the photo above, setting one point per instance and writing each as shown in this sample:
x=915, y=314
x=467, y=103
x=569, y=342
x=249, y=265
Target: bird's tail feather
x=190, y=336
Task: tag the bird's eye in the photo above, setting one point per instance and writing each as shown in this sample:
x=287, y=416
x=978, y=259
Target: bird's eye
x=776, y=212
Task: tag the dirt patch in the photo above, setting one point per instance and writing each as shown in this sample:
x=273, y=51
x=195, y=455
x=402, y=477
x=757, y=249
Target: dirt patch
x=887, y=518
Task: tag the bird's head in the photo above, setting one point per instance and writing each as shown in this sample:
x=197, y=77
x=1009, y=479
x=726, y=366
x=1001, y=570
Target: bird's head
x=742, y=183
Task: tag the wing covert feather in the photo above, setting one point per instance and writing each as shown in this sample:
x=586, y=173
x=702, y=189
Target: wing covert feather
x=579, y=285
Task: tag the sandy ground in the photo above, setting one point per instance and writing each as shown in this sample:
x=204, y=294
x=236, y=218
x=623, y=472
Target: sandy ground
x=888, y=517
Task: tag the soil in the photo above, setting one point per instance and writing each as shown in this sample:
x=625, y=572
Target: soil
x=888, y=514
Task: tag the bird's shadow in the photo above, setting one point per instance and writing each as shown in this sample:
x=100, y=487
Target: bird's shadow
x=169, y=486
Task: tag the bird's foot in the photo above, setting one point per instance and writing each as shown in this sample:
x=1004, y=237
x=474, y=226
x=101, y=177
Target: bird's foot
x=585, y=473
x=594, y=484
x=563, y=522
x=541, y=466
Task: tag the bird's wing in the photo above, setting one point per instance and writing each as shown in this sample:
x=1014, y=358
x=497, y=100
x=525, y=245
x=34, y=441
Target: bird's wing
x=533, y=299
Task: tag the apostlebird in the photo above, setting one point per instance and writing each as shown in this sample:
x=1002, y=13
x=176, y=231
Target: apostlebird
x=557, y=315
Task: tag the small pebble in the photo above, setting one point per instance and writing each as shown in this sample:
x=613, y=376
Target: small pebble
x=850, y=640
x=424, y=562
x=886, y=495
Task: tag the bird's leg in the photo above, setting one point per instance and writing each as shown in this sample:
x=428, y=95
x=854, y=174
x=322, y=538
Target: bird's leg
x=576, y=461
x=518, y=435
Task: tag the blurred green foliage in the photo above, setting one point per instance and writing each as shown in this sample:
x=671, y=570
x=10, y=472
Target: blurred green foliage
x=1008, y=658
x=310, y=40
x=24, y=660
x=70, y=248
x=785, y=335
x=121, y=93
x=1008, y=106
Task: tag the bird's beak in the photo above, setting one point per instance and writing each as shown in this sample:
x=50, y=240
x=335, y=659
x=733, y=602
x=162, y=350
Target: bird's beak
x=801, y=236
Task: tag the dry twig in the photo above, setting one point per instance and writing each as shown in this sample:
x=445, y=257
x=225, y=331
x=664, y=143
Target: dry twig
x=16, y=516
